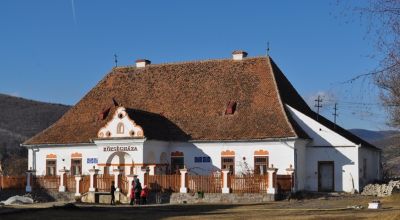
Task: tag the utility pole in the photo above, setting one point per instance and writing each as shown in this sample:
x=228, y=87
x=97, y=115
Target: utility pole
x=318, y=105
x=115, y=60
x=335, y=114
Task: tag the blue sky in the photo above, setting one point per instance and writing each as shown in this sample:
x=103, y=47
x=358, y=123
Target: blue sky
x=56, y=51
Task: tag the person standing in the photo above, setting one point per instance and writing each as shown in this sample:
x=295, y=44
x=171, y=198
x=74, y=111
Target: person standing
x=144, y=194
x=138, y=190
x=112, y=193
x=132, y=196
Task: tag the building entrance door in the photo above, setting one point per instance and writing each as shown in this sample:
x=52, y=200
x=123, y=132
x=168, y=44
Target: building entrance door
x=326, y=176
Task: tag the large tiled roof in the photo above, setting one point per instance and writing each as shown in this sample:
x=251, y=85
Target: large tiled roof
x=187, y=101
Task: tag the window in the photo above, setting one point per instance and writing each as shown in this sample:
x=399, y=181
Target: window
x=76, y=166
x=120, y=128
x=51, y=166
x=228, y=163
x=260, y=165
x=176, y=164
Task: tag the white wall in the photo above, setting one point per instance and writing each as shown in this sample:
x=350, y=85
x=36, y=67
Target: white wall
x=373, y=166
x=300, y=171
x=345, y=167
x=281, y=154
x=63, y=157
x=320, y=134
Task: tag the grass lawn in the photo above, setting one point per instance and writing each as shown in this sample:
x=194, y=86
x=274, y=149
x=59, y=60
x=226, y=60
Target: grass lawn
x=330, y=208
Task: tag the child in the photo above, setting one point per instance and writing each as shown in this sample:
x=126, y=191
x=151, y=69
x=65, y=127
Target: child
x=144, y=194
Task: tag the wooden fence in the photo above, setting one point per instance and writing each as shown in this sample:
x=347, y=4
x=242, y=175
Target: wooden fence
x=248, y=183
x=70, y=184
x=207, y=184
x=123, y=184
x=47, y=182
x=163, y=183
x=284, y=183
x=12, y=182
x=84, y=184
x=104, y=182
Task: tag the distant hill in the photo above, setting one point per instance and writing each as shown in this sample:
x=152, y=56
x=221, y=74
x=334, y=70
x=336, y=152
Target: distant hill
x=389, y=142
x=20, y=119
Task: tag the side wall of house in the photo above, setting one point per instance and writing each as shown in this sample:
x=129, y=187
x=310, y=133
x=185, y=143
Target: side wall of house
x=369, y=166
x=345, y=161
x=326, y=145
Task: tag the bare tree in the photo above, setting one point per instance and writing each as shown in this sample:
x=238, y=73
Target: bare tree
x=383, y=17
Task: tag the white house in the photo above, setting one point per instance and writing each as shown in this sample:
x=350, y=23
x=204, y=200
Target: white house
x=241, y=114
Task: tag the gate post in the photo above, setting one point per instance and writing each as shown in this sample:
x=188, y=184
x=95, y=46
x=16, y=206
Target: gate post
x=78, y=178
x=62, y=172
x=117, y=172
x=152, y=169
x=290, y=171
x=93, y=175
x=28, y=187
x=271, y=181
x=183, y=188
x=225, y=187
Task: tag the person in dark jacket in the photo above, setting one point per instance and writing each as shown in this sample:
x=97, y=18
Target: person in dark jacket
x=138, y=190
x=132, y=196
x=144, y=194
x=112, y=193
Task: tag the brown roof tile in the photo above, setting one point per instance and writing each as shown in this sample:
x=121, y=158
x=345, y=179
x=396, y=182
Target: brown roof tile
x=185, y=101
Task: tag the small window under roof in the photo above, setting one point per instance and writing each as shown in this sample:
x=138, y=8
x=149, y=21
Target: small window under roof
x=230, y=108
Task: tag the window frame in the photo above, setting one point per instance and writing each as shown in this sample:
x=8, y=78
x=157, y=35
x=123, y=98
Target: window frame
x=230, y=164
x=48, y=167
x=258, y=164
x=73, y=167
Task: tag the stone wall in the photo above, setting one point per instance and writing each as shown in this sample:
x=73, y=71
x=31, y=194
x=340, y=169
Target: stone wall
x=381, y=190
x=232, y=198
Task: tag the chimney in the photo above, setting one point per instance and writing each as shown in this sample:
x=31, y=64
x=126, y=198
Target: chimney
x=142, y=63
x=239, y=54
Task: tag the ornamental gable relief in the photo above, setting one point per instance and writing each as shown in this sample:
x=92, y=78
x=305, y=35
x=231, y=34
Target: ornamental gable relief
x=121, y=126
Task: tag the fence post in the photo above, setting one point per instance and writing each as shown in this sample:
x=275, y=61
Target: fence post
x=28, y=187
x=225, y=176
x=183, y=188
x=142, y=172
x=93, y=175
x=290, y=171
x=62, y=172
x=271, y=181
x=78, y=178
x=152, y=169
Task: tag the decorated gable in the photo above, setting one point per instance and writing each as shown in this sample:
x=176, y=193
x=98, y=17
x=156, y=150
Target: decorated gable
x=120, y=126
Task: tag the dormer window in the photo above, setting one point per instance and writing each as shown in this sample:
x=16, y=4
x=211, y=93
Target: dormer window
x=230, y=108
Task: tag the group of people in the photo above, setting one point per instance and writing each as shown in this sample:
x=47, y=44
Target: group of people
x=138, y=195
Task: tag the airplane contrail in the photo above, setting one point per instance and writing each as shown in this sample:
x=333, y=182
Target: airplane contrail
x=73, y=10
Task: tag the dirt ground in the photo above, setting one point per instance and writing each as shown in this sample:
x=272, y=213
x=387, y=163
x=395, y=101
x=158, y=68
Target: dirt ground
x=319, y=208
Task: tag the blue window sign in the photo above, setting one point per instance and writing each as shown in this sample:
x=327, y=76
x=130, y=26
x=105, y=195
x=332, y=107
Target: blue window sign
x=202, y=159
x=206, y=159
x=92, y=160
x=197, y=159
